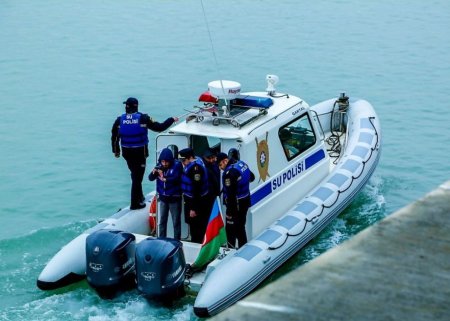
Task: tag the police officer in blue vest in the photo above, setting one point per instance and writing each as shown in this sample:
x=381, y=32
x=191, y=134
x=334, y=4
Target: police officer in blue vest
x=167, y=174
x=129, y=131
x=236, y=180
x=194, y=184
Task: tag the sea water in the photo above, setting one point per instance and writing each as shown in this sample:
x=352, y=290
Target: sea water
x=67, y=66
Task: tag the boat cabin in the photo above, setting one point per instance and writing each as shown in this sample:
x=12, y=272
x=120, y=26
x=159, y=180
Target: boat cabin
x=276, y=135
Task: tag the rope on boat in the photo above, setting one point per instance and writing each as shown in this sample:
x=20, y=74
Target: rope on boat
x=334, y=139
x=339, y=192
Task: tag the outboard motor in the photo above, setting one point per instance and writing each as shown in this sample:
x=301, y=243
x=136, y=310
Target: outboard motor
x=160, y=268
x=110, y=264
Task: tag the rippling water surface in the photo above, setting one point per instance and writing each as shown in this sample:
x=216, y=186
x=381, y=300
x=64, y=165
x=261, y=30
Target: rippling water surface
x=66, y=67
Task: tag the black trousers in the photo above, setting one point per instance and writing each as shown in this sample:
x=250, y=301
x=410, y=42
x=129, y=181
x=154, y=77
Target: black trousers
x=136, y=160
x=197, y=225
x=209, y=203
x=235, y=225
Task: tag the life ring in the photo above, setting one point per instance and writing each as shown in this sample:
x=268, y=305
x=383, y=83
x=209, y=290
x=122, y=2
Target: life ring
x=152, y=216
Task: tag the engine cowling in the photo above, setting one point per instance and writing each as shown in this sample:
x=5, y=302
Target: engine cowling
x=110, y=261
x=160, y=268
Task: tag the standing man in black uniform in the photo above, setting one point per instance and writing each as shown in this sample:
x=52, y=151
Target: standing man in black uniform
x=130, y=131
x=236, y=180
x=213, y=170
x=194, y=184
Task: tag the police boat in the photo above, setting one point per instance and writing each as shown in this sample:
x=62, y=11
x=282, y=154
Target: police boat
x=310, y=162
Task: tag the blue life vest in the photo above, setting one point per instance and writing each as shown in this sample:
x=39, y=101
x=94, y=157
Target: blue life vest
x=171, y=187
x=132, y=133
x=243, y=184
x=186, y=182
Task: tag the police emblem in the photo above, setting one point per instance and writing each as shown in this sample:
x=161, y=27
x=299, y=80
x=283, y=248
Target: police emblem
x=262, y=158
x=197, y=177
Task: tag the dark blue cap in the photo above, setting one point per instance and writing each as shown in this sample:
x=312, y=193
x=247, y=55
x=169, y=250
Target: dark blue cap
x=186, y=153
x=131, y=102
x=221, y=156
x=209, y=153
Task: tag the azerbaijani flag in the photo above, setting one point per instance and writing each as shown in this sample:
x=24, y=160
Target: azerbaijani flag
x=215, y=236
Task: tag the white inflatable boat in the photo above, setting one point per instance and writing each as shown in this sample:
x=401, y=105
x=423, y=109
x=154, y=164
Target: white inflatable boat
x=309, y=162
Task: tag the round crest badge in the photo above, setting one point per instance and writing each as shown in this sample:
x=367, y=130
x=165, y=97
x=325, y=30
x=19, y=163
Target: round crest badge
x=262, y=158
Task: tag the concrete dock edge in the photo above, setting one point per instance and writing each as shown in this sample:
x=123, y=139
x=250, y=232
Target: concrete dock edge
x=397, y=269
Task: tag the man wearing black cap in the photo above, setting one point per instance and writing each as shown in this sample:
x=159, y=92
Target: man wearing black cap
x=194, y=184
x=222, y=160
x=130, y=131
x=210, y=160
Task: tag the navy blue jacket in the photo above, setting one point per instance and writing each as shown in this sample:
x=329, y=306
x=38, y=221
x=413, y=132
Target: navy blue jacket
x=213, y=171
x=169, y=186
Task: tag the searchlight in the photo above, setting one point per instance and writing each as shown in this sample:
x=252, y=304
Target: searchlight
x=272, y=80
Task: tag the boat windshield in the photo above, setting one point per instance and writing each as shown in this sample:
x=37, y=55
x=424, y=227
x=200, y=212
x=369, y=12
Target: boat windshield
x=297, y=136
x=201, y=143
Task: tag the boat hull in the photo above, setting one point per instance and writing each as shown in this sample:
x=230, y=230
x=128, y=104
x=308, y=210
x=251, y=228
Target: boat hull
x=323, y=187
x=259, y=258
x=69, y=264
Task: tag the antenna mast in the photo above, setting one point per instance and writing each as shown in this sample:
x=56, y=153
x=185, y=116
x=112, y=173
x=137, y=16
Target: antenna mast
x=213, y=50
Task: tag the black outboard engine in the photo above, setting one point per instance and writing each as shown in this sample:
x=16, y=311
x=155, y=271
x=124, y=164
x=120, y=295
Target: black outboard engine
x=160, y=268
x=110, y=264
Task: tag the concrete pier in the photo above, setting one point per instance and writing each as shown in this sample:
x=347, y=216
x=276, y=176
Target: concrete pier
x=397, y=269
